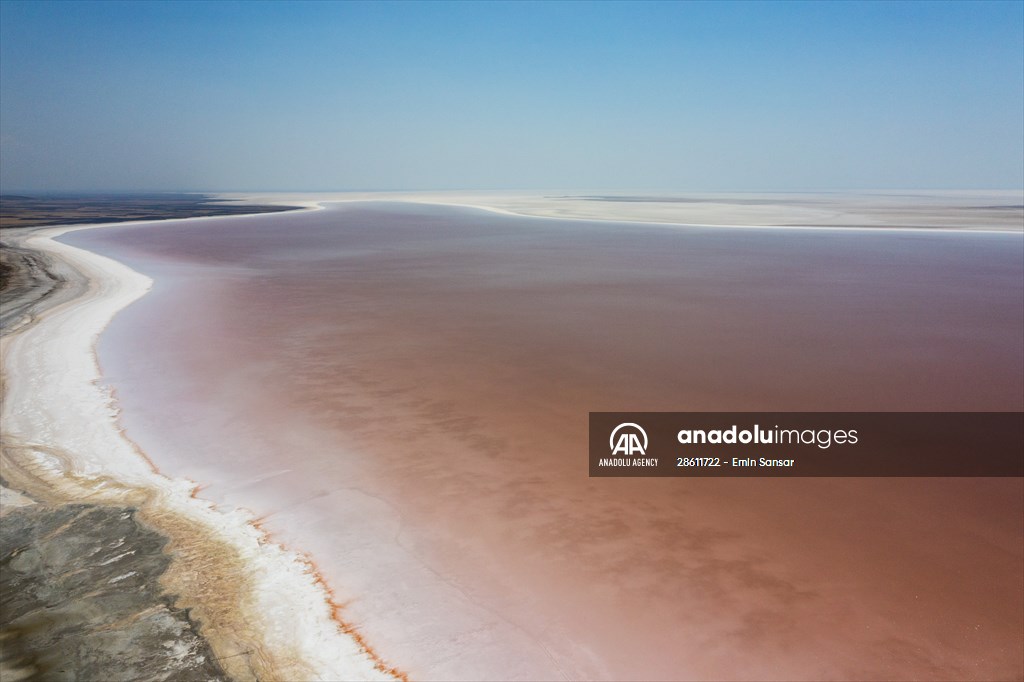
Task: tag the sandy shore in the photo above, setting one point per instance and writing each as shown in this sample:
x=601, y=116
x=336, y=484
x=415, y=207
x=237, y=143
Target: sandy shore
x=264, y=609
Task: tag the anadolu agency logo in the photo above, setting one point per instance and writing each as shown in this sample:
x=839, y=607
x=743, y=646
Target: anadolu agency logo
x=628, y=445
x=625, y=440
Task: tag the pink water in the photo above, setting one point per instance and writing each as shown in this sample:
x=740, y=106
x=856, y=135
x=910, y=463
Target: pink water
x=402, y=391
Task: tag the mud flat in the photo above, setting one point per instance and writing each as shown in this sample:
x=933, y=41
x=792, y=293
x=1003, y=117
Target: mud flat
x=145, y=579
x=83, y=600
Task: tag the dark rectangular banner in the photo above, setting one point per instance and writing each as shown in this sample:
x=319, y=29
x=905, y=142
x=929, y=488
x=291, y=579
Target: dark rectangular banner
x=806, y=444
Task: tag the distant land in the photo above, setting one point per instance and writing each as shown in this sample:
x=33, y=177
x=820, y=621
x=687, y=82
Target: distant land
x=25, y=210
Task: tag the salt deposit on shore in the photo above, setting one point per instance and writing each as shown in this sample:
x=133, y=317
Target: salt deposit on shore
x=994, y=210
x=264, y=609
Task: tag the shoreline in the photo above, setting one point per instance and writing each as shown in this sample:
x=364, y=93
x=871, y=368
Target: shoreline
x=265, y=610
x=527, y=205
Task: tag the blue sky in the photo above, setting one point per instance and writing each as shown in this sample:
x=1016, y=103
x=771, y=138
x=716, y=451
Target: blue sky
x=639, y=96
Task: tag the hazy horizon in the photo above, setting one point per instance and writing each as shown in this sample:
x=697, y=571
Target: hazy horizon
x=648, y=192
x=665, y=97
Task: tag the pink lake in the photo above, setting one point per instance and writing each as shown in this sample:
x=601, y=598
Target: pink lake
x=402, y=391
